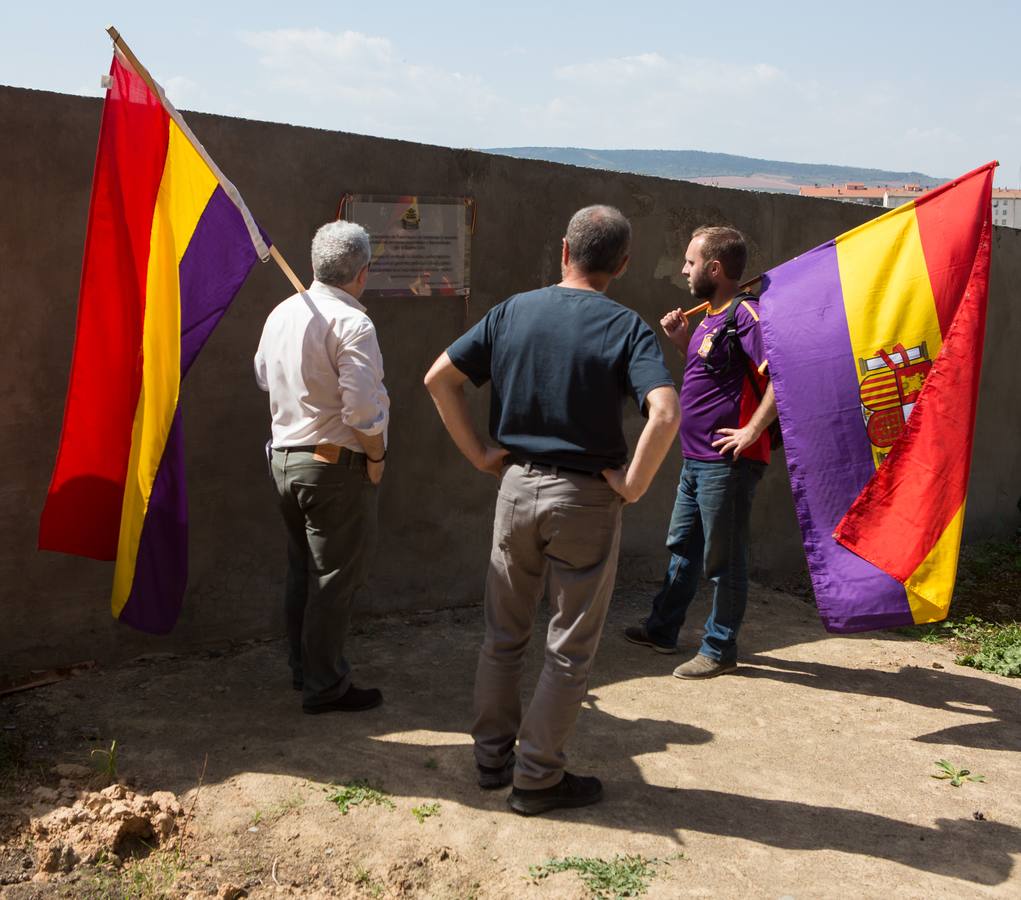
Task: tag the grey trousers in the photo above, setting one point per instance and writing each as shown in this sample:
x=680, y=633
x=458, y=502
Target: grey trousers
x=329, y=510
x=566, y=525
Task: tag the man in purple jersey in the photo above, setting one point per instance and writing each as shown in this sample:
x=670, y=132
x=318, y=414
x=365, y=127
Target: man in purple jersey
x=727, y=405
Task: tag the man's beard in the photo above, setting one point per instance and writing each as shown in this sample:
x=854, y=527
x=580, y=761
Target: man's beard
x=702, y=287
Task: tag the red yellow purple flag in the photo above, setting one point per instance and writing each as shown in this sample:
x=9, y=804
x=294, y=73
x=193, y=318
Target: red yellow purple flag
x=168, y=245
x=875, y=349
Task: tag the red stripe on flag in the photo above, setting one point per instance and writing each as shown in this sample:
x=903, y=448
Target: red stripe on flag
x=83, y=506
x=949, y=224
x=906, y=506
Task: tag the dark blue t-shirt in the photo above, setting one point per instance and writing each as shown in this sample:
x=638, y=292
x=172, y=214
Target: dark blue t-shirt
x=563, y=362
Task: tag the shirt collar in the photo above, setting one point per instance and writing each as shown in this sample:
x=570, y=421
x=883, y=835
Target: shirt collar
x=335, y=293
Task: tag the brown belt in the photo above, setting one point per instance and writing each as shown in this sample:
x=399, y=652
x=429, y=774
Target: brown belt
x=328, y=453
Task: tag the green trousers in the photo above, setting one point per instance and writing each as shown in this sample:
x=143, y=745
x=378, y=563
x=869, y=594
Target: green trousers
x=330, y=511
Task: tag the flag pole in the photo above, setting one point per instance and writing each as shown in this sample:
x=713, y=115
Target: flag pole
x=143, y=73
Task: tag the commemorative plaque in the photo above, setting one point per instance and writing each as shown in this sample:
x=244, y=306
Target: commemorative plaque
x=421, y=246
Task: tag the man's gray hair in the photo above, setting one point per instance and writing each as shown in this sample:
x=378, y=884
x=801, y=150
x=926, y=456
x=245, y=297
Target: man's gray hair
x=340, y=250
x=598, y=238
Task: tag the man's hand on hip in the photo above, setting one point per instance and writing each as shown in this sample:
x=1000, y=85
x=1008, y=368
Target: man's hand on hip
x=492, y=461
x=735, y=440
x=617, y=479
x=375, y=470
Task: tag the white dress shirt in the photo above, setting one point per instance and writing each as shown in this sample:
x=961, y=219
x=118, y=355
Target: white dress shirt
x=320, y=361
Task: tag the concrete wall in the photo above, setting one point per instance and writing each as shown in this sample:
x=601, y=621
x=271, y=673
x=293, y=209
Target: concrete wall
x=435, y=509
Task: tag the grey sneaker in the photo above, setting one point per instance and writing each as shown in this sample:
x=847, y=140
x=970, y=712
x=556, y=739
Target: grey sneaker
x=638, y=635
x=702, y=666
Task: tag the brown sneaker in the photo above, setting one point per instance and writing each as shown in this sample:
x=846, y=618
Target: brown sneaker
x=638, y=635
x=702, y=666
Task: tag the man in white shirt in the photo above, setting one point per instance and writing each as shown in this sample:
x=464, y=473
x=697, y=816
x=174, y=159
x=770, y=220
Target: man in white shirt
x=320, y=362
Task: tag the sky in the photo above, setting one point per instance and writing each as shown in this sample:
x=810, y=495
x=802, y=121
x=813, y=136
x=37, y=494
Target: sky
x=933, y=87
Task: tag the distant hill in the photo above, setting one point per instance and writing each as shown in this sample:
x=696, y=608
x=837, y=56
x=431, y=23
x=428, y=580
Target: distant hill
x=722, y=169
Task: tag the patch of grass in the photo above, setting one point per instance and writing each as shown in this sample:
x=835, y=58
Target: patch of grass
x=105, y=761
x=143, y=879
x=620, y=877
x=278, y=810
x=956, y=777
x=12, y=758
x=431, y=763
x=424, y=811
x=989, y=646
x=358, y=793
x=998, y=651
x=363, y=878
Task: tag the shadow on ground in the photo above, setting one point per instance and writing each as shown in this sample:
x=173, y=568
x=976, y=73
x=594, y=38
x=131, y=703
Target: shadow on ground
x=178, y=720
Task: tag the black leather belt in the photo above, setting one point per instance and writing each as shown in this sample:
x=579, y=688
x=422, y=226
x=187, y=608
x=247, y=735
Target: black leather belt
x=554, y=469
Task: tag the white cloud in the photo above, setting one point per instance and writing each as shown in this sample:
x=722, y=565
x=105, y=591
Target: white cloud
x=356, y=82
x=184, y=93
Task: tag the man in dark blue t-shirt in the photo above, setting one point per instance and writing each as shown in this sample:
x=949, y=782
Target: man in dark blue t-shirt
x=562, y=360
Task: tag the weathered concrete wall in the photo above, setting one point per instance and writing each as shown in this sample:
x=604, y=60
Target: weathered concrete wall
x=435, y=509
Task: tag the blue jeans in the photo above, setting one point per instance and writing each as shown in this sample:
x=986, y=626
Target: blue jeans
x=709, y=529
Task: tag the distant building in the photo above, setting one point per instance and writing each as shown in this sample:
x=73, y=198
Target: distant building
x=1006, y=204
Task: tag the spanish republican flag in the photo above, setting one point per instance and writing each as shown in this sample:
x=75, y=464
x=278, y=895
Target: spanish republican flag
x=875, y=347
x=169, y=244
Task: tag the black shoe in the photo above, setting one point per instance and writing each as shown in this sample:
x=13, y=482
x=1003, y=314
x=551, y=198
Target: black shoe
x=353, y=700
x=637, y=634
x=297, y=684
x=573, y=791
x=492, y=778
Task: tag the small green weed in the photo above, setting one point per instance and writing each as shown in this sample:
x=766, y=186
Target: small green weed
x=957, y=777
x=12, y=758
x=622, y=876
x=363, y=879
x=424, y=811
x=143, y=879
x=431, y=763
x=278, y=810
x=107, y=761
x=358, y=793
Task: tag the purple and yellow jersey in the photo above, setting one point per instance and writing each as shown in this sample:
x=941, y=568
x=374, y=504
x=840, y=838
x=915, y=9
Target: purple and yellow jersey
x=712, y=399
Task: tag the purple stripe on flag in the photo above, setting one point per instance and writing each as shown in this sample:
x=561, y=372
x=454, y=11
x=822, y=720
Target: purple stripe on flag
x=161, y=566
x=804, y=326
x=218, y=259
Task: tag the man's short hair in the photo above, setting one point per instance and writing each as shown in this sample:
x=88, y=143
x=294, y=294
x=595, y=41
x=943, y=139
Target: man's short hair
x=340, y=250
x=725, y=244
x=599, y=238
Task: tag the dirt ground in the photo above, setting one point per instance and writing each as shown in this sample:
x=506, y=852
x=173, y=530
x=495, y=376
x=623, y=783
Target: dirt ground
x=804, y=774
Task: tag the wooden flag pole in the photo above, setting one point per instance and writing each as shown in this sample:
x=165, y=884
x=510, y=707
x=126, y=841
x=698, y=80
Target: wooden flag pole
x=143, y=73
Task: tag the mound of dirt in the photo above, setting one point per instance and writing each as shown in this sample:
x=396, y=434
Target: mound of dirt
x=110, y=826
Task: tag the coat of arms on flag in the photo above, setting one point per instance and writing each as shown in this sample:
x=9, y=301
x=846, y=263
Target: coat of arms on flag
x=890, y=385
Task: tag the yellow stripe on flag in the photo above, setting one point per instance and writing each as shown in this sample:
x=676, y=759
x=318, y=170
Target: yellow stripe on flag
x=885, y=282
x=184, y=191
x=931, y=585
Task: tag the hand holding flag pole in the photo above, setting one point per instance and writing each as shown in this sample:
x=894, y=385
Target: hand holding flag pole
x=143, y=73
